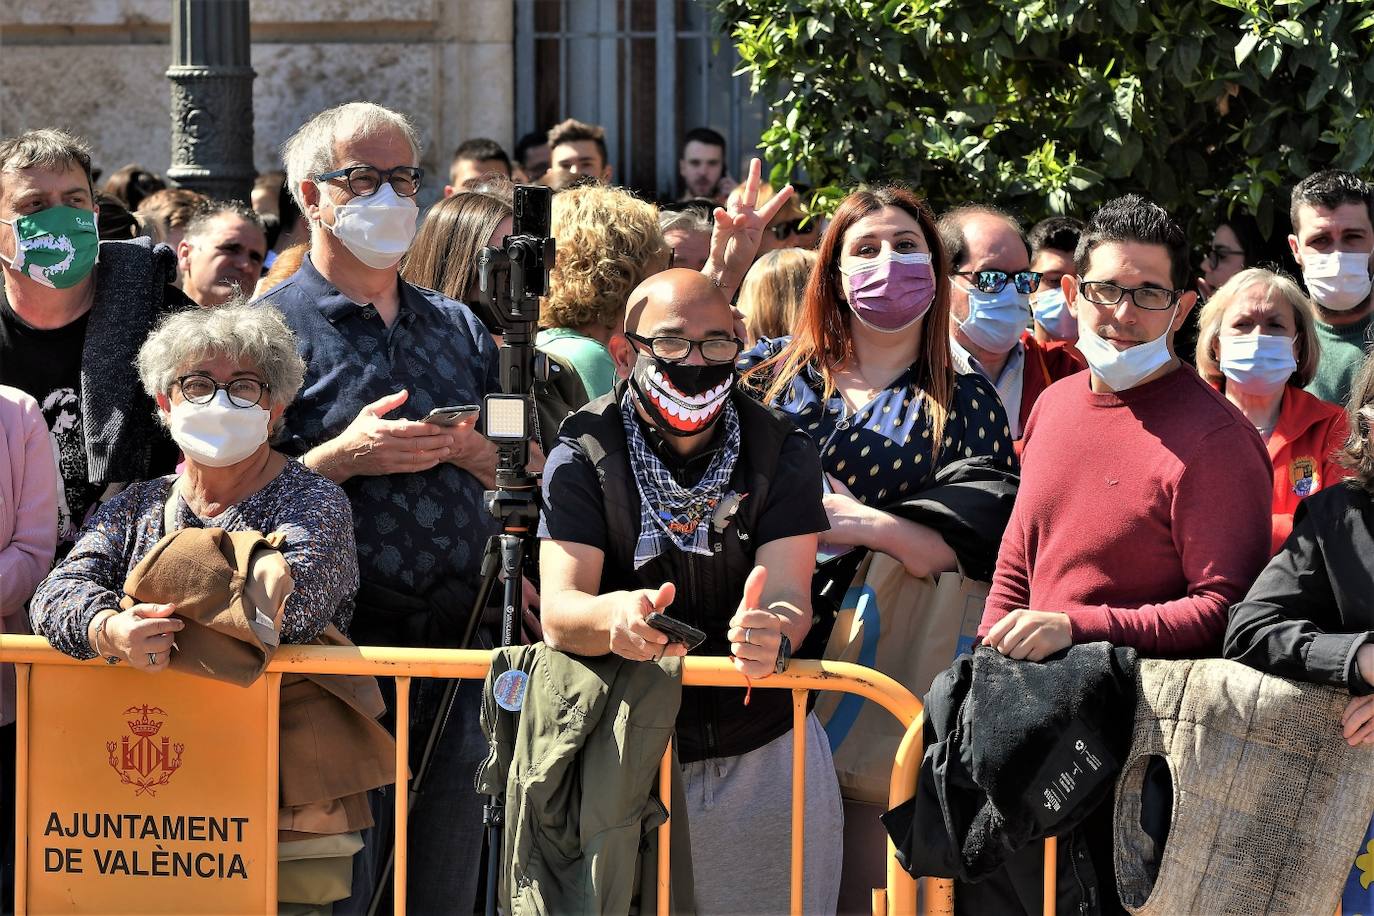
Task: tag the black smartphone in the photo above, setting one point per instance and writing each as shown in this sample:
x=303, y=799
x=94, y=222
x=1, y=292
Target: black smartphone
x=451, y=416
x=533, y=205
x=676, y=630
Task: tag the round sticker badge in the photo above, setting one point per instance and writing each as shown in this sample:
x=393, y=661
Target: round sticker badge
x=509, y=690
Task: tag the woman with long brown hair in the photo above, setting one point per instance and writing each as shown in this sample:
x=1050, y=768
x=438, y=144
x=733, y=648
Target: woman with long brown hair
x=868, y=375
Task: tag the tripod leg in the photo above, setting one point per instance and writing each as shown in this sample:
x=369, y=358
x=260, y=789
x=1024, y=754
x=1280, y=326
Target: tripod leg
x=512, y=607
x=490, y=567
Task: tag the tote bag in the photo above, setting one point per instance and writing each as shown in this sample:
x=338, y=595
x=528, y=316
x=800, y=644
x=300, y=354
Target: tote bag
x=908, y=628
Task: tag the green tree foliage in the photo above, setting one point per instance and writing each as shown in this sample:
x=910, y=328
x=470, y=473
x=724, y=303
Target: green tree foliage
x=1053, y=106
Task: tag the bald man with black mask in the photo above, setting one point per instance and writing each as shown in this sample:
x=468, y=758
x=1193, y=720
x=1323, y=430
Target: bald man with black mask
x=678, y=494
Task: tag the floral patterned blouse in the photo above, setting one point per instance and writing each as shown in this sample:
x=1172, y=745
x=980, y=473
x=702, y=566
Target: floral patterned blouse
x=311, y=511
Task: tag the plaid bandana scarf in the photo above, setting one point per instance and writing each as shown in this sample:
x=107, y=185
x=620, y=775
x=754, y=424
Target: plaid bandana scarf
x=671, y=515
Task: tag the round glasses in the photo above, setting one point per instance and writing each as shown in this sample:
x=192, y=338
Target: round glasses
x=366, y=180
x=243, y=392
x=677, y=349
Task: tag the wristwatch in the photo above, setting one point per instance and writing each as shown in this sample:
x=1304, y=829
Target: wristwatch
x=784, y=654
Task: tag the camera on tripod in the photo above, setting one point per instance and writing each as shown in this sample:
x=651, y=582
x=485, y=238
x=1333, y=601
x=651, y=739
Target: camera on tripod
x=512, y=280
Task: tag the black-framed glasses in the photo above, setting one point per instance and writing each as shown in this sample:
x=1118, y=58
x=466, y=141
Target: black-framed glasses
x=366, y=180
x=994, y=281
x=243, y=392
x=1216, y=253
x=677, y=349
x=1150, y=298
x=788, y=228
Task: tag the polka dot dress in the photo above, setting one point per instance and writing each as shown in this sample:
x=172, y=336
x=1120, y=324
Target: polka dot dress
x=883, y=451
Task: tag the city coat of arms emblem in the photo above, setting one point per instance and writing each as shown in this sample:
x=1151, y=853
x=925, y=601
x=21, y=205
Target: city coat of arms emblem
x=145, y=759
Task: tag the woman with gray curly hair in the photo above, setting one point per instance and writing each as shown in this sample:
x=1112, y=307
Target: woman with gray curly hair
x=222, y=379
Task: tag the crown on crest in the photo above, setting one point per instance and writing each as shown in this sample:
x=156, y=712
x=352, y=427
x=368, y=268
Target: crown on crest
x=145, y=724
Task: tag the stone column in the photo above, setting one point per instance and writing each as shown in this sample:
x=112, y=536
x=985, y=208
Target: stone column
x=212, y=98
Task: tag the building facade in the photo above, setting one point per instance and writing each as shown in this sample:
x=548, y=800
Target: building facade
x=646, y=69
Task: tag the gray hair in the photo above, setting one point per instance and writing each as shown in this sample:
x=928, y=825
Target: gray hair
x=48, y=148
x=310, y=150
x=688, y=219
x=253, y=336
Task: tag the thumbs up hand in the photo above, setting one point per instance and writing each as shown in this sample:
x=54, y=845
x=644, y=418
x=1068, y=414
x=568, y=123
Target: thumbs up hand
x=631, y=636
x=755, y=634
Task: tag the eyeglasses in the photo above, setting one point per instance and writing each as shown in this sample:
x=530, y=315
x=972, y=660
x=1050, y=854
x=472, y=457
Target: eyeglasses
x=366, y=180
x=243, y=392
x=783, y=231
x=677, y=349
x=1151, y=298
x=994, y=281
x=1217, y=252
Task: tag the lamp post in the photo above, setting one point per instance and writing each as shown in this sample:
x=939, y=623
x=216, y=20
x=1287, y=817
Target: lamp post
x=212, y=98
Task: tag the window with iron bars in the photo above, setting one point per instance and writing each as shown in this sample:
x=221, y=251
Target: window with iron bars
x=647, y=71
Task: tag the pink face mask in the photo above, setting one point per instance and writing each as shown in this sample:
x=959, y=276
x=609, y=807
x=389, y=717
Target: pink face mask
x=891, y=293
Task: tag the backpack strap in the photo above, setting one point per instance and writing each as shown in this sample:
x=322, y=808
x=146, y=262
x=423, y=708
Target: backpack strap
x=599, y=432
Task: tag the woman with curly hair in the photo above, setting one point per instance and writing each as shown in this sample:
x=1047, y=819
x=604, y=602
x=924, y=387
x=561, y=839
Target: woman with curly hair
x=608, y=243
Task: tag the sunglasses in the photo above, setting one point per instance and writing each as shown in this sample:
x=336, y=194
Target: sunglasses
x=994, y=281
x=783, y=231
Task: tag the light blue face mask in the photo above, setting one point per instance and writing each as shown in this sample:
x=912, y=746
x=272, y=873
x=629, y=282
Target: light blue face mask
x=1052, y=310
x=996, y=320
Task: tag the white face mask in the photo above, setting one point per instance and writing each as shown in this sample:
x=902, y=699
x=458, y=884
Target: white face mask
x=1339, y=281
x=377, y=229
x=1258, y=364
x=218, y=434
x=1051, y=309
x=1122, y=369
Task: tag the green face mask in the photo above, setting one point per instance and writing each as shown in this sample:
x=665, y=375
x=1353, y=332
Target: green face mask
x=56, y=247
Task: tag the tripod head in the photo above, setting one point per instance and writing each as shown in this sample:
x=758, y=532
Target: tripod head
x=513, y=278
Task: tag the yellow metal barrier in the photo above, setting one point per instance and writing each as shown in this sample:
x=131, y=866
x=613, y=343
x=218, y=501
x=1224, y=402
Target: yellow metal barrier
x=898, y=897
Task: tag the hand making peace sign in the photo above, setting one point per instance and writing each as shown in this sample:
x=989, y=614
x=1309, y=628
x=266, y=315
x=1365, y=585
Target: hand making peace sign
x=738, y=231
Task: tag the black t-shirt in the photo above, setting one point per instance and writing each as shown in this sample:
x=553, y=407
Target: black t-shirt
x=47, y=366
x=574, y=507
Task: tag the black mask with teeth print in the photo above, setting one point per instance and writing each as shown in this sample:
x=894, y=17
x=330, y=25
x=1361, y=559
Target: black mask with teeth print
x=681, y=400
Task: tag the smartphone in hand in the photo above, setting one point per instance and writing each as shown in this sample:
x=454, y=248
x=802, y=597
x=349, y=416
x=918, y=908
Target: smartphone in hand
x=451, y=416
x=676, y=630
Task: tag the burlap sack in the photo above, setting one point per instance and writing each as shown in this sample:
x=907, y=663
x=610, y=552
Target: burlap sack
x=1266, y=799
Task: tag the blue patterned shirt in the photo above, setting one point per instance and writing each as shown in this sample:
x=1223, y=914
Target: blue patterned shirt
x=883, y=451
x=413, y=530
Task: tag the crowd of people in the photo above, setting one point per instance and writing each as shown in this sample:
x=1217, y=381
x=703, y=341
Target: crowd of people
x=736, y=389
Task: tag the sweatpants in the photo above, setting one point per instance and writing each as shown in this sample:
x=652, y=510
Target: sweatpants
x=740, y=813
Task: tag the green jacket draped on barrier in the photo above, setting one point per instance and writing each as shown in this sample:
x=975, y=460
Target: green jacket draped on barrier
x=576, y=766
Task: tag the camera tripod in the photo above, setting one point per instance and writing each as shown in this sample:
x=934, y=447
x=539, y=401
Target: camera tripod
x=513, y=278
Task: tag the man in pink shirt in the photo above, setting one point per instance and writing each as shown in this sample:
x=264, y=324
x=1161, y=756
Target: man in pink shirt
x=1143, y=511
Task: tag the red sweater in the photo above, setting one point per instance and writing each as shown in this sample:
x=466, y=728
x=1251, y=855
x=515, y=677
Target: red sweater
x=1142, y=515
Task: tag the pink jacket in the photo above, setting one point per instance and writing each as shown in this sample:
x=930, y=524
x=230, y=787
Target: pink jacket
x=28, y=518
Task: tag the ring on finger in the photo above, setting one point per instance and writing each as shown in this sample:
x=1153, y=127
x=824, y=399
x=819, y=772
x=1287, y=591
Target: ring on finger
x=747, y=632
x=152, y=658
